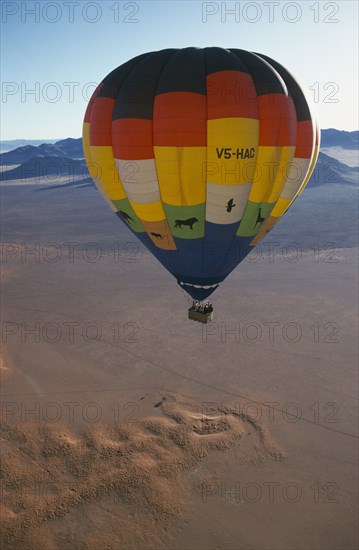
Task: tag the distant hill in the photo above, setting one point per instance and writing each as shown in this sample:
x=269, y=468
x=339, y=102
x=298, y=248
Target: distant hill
x=339, y=138
x=71, y=148
x=329, y=170
x=25, y=153
x=10, y=144
x=45, y=166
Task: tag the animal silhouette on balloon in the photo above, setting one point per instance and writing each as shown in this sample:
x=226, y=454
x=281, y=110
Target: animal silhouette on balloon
x=230, y=205
x=189, y=223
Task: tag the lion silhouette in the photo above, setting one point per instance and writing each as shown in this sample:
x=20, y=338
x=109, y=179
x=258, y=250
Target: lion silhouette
x=190, y=222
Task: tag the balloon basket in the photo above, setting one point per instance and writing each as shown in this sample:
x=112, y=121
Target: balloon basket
x=201, y=312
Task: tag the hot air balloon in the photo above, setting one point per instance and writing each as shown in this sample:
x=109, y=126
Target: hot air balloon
x=200, y=152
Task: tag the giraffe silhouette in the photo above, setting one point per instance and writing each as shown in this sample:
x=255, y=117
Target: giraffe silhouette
x=259, y=217
x=125, y=216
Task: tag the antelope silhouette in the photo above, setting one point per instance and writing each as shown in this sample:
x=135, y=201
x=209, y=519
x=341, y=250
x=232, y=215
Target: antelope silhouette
x=157, y=235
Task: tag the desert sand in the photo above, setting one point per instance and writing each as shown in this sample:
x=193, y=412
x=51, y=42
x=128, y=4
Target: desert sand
x=125, y=425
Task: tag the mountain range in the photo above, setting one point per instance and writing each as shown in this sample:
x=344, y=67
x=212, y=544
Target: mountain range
x=69, y=147
x=330, y=170
x=46, y=167
x=10, y=144
x=339, y=138
x=66, y=157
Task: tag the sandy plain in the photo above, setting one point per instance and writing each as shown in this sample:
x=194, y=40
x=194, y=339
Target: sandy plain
x=124, y=425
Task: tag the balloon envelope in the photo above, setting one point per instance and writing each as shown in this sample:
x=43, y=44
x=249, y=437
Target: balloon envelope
x=200, y=152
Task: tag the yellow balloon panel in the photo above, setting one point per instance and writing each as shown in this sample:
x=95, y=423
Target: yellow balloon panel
x=264, y=172
x=285, y=161
x=280, y=207
x=152, y=212
x=92, y=166
x=102, y=157
x=232, y=147
x=181, y=173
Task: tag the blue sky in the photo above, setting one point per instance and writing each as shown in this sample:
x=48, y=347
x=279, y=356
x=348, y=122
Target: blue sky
x=54, y=52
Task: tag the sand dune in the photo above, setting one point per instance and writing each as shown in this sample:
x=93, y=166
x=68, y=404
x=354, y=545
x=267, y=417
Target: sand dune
x=129, y=472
